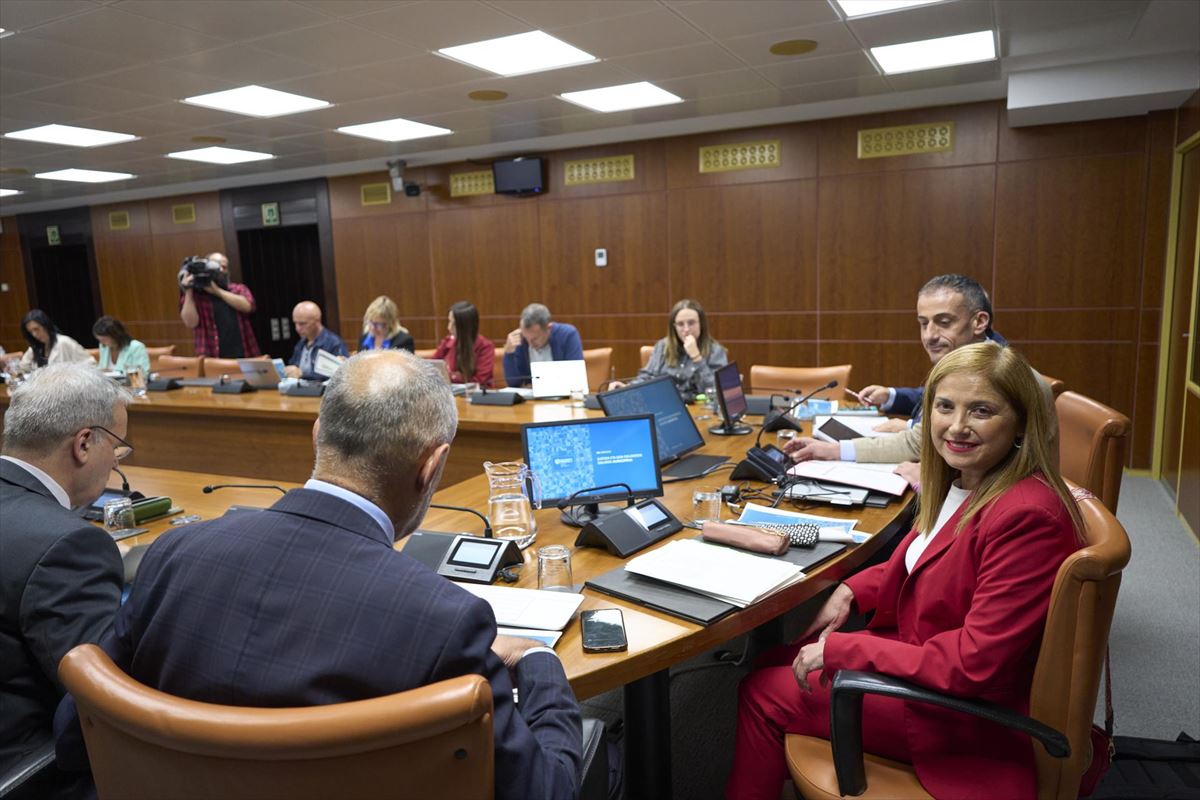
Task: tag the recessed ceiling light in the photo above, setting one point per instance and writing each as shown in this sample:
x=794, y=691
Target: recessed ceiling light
x=70, y=135
x=8, y=192
x=4, y=32
x=861, y=8
x=84, y=175
x=516, y=55
x=257, y=101
x=487, y=95
x=622, y=98
x=220, y=155
x=394, y=130
x=793, y=47
x=947, y=51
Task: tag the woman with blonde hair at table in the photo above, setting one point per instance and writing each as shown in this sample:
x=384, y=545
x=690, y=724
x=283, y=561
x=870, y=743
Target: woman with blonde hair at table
x=958, y=608
x=382, y=329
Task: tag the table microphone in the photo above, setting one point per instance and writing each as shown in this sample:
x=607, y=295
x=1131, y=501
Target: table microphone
x=780, y=419
x=487, y=525
x=211, y=489
x=125, y=486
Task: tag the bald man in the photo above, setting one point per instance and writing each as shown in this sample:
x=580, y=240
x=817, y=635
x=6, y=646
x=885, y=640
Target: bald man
x=306, y=318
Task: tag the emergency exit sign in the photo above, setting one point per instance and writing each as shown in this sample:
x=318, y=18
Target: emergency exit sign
x=270, y=213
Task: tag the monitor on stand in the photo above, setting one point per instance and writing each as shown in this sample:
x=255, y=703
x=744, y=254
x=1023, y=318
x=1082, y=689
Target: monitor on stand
x=585, y=462
x=731, y=402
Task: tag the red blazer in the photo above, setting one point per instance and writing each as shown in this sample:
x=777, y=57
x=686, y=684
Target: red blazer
x=968, y=621
x=485, y=361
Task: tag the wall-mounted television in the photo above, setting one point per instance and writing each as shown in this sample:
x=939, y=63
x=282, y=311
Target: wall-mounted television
x=517, y=176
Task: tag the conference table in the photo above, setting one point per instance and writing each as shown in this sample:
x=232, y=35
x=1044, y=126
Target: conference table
x=656, y=640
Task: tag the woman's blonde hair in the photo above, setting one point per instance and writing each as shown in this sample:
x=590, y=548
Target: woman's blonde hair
x=1010, y=376
x=675, y=352
x=384, y=308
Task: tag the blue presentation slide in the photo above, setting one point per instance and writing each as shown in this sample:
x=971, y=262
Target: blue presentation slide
x=568, y=458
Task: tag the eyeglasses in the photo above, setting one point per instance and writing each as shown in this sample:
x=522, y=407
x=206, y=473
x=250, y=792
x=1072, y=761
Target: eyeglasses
x=122, y=450
x=378, y=324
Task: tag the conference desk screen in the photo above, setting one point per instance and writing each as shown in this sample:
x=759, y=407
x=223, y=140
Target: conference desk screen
x=573, y=457
x=677, y=432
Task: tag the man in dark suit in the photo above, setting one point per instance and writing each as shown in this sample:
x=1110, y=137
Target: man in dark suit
x=307, y=602
x=60, y=577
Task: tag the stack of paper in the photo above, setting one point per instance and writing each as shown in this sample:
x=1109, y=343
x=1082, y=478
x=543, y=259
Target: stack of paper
x=527, y=608
x=722, y=573
x=851, y=473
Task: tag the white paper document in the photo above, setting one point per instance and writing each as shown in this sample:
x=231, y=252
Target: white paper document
x=851, y=474
x=722, y=573
x=832, y=528
x=548, y=638
x=326, y=364
x=527, y=608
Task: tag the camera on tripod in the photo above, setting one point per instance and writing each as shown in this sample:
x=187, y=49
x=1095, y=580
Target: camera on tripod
x=202, y=270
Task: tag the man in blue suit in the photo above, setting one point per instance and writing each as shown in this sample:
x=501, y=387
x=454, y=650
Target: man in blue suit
x=314, y=337
x=538, y=339
x=307, y=602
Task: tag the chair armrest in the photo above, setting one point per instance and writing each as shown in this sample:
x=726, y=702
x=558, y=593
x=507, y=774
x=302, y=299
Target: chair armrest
x=26, y=769
x=845, y=720
x=594, y=769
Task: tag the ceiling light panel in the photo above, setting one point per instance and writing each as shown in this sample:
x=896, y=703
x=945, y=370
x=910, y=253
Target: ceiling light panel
x=8, y=192
x=861, y=8
x=622, y=98
x=516, y=55
x=947, y=51
x=220, y=155
x=71, y=136
x=394, y=130
x=84, y=176
x=257, y=101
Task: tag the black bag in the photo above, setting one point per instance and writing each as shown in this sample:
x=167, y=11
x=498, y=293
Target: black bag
x=1152, y=769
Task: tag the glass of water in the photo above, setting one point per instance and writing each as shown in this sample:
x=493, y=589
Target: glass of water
x=137, y=381
x=554, y=569
x=118, y=514
x=706, y=506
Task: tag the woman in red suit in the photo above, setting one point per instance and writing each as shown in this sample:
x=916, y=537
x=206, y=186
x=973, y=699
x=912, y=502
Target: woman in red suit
x=959, y=607
x=469, y=356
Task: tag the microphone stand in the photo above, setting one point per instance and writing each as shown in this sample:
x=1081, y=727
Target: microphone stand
x=487, y=525
x=780, y=420
x=590, y=510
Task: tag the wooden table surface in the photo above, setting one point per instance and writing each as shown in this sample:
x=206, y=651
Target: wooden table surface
x=656, y=640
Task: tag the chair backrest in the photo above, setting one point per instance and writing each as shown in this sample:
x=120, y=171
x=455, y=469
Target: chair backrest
x=801, y=379
x=425, y=353
x=94, y=352
x=599, y=366
x=645, y=353
x=1057, y=386
x=434, y=741
x=155, y=353
x=180, y=366
x=498, y=380
x=1067, y=675
x=1092, y=439
x=216, y=367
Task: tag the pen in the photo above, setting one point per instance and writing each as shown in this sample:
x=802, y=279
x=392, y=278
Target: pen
x=856, y=396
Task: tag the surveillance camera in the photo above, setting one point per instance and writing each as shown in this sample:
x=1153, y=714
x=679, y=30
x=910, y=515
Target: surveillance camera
x=396, y=170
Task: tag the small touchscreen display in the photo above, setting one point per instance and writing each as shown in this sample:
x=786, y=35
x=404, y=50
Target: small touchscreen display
x=474, y=554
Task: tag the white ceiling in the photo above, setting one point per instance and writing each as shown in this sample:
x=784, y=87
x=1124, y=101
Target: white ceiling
x=123, y=65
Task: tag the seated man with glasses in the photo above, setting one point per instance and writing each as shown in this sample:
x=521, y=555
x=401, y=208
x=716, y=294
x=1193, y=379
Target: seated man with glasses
x=60, y=577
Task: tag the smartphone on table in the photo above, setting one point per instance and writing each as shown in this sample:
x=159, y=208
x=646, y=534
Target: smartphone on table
x=603, y=630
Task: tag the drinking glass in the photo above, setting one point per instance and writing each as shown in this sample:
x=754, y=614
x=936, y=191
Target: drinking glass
x=706, y=506
x=554, y=569
x=118, y=514
x=137, y=381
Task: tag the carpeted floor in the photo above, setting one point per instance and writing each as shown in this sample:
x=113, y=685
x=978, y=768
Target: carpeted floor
x=1155, y=649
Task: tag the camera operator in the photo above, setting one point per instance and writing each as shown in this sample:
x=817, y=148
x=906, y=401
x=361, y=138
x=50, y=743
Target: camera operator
x=216, y=309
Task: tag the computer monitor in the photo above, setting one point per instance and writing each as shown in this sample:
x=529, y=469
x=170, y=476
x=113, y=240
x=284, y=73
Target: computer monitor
x=676, y=430
x=731, y=402
x=578, y=462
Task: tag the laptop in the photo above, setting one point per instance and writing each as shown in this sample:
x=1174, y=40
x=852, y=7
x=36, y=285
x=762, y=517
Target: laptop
x=260, y=374
x=556, y=379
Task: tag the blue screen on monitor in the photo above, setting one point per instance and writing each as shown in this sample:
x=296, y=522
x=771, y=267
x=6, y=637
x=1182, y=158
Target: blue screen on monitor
x=677, y=433
x=568, y=457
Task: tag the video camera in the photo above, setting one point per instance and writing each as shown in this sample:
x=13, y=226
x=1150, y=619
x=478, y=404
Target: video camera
x=202, y=270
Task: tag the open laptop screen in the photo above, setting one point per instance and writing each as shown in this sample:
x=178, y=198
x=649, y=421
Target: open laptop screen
x=677, y=432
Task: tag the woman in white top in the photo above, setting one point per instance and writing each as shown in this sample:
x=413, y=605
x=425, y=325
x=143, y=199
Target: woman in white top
x=46, y=344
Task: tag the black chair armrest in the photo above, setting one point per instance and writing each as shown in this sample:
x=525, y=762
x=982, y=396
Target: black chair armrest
x=26, y=769
x=845, y=720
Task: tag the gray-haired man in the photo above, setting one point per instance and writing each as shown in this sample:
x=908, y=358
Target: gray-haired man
x=60, y=577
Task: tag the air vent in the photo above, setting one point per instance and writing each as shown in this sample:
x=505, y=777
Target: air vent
x=739, y=156
x=468, y=184
x=118, y=220
x=611, y=169
x=906, y=140
x=183, y=214
x=375, y=194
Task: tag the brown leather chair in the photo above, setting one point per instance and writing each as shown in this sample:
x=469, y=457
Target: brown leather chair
x=94, y=352
x=645, y=353
x=1092, y=439
x=180, y=366
x=216, y=367
x=599, y=366
x=498, y=379
x=434, y=741
x=1061, y=702
x=1057, y=386
x=155, y=353
x=801, y=379
x=425, y=353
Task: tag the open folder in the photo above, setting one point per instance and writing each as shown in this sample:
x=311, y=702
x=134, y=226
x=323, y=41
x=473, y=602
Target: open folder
x=722, y=573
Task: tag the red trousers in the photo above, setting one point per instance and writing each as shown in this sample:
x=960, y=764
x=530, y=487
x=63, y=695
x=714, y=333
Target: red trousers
x=771, y=704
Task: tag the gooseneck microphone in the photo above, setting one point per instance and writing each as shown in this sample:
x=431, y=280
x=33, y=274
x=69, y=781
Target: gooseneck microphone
x=125, y=486
x=487, y=525
x=780, y=419
x=213, y=488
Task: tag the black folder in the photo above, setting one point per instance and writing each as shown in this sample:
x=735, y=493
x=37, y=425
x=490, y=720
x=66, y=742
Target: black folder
x=693, y=606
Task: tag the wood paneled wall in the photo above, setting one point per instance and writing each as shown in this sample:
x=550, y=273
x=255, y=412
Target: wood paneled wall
x=14, y=300
x=817, y=261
